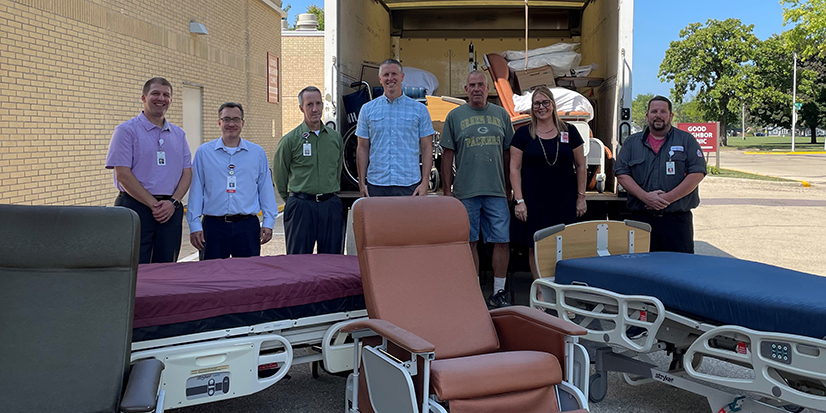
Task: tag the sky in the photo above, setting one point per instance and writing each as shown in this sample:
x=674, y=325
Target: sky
x=658, y=22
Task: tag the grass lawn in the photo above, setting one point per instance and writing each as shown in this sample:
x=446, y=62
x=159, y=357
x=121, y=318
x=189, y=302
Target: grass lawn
x=775, y=143
x=728, y=173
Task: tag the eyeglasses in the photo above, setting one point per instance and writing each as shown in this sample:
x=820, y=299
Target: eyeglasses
x=542, y=103
x=232, y=120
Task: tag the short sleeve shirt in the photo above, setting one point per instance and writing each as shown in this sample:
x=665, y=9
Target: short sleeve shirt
x=138, y=144
x=478, y=137
x=649, y=170
x=394, y=130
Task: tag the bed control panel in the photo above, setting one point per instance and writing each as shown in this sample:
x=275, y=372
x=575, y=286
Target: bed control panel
x=779, y=351
x=207, y=385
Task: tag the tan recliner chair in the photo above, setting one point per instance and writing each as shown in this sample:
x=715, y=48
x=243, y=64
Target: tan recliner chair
x=437, y=340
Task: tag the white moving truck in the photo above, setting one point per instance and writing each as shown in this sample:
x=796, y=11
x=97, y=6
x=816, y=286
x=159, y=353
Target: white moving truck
x=435, y=35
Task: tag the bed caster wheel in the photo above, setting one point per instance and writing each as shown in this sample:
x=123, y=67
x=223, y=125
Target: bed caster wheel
x=314, y=369
x=793, y=408
x=597, y=387
x=600, y=186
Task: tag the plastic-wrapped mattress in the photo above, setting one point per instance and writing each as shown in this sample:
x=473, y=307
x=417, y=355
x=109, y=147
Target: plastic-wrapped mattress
x=727, y=291
x=183, y=298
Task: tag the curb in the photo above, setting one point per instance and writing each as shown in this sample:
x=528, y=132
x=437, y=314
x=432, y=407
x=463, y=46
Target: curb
x=805, y=184
x=784, y=153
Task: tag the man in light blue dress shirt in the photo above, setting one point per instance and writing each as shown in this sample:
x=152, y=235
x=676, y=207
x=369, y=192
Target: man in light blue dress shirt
x=231, y=183
x=393, y=131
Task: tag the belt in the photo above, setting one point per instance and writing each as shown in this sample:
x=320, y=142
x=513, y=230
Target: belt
x=659, y=214
x=230, y=218
x=158, y=197
x=312, y=197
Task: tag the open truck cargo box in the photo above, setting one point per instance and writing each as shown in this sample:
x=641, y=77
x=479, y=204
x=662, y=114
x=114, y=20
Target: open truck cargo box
x=435, y=35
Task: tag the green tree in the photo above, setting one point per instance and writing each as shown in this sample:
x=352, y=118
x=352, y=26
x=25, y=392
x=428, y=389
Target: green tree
x=319, y=14
x=813, y=112
x=770, y=81
x=688, y=112
x=809, y=16
x=710, y=60
x=639, y=106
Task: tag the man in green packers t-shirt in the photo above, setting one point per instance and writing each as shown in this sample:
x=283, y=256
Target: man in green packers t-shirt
x=478, y=135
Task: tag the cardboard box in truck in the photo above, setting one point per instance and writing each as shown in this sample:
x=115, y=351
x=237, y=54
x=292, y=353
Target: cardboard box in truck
x=531, y=78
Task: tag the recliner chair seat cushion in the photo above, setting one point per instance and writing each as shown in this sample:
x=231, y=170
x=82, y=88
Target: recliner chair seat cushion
x=493, y=373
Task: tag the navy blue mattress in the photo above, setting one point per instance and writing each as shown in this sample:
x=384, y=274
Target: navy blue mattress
x=725, y=290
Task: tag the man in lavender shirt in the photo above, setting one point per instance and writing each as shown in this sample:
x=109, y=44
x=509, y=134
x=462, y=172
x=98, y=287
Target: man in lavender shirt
x=153, y=171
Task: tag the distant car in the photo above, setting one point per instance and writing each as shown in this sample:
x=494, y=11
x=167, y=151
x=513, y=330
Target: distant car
x=759, y=134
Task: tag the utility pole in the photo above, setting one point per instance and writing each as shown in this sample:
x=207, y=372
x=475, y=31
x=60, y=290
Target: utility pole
x=743, y=118
x=794, y=98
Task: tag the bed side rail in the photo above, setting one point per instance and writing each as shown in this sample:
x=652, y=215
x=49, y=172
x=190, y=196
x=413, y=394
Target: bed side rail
x=787, y=367
x=606, y=315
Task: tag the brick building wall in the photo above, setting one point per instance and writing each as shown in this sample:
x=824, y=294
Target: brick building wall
x=72, y=70
x=302, y=54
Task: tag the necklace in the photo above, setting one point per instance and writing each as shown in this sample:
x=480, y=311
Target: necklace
x=556, y=156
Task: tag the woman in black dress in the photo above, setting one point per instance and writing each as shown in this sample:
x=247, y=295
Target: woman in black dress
x=547, y=170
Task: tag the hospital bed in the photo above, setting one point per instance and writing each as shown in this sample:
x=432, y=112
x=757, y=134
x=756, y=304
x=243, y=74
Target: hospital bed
x=765, y=324
x=229, y=328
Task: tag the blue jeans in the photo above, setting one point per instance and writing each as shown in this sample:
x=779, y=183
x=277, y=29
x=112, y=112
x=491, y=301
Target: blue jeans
x=492, y=214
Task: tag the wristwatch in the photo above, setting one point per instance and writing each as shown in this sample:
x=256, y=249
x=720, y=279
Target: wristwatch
x=519, y=201
x=175, y=203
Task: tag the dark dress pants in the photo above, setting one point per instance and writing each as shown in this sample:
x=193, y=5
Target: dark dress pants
x=376, y=190
x=669, y=232
x=159, y=242
x=307, y=222
x=237, y=239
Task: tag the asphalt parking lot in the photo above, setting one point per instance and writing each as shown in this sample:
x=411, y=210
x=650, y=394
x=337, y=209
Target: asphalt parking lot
x=782, y=224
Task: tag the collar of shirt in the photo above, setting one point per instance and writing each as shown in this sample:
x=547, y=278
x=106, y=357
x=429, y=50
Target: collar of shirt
x=646, y=133
x=219, y=144
x=399, y=99
x=149, y=125
x=303, y=128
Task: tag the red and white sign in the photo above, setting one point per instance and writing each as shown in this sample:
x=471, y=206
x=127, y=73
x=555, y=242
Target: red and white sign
x=705, y=133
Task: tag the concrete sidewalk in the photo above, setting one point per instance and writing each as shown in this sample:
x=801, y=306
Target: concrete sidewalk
x=810, y=168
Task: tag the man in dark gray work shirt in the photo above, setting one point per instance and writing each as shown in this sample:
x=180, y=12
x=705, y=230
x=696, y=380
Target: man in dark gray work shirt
x=660, y=169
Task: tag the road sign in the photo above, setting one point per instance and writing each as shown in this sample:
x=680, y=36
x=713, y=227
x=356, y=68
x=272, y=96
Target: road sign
x=798, y=105
x=705, y=133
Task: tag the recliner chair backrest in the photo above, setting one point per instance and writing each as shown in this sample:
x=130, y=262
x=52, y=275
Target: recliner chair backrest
x=418, y=273
x=498, y=68
x=67, y=291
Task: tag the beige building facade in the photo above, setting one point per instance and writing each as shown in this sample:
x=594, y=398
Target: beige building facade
x=302, y=52
x=72, y=70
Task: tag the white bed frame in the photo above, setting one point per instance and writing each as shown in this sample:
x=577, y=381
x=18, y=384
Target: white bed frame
x=786, y=371
x=200, y=363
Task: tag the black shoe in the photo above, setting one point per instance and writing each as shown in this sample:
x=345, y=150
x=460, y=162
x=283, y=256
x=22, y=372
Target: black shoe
x=635, y=332
x=498, y=300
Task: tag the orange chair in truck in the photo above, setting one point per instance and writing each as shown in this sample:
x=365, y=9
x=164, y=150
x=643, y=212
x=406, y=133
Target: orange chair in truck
x=497, y=66
x=430, y=344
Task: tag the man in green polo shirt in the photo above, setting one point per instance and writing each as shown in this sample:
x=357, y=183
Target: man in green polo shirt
x=307, y=169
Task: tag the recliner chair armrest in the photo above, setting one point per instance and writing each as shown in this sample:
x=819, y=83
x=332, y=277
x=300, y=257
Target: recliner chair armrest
x=522, y=328
x=399, y=336
x=538, y=317
x=141, y=391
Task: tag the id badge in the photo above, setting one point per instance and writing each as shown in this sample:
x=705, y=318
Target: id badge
x=308, y=149
x=564, y=137
x=161, y=158
x=669, y=168
x=231, y=184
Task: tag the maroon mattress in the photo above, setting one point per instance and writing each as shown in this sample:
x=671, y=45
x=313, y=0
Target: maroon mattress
x=188, y=291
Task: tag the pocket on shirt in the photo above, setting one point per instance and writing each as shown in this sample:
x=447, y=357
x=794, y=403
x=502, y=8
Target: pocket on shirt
x=410, y=125
x=637, y=167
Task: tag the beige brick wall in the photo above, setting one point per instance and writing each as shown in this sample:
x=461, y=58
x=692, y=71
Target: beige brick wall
x=72, y=70
x=303, y=63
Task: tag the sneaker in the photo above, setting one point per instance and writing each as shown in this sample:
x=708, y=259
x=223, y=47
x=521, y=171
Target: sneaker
x=498, y=300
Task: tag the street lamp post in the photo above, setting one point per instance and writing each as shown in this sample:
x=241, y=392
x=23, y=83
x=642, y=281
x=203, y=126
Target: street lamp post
x=794, y=98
